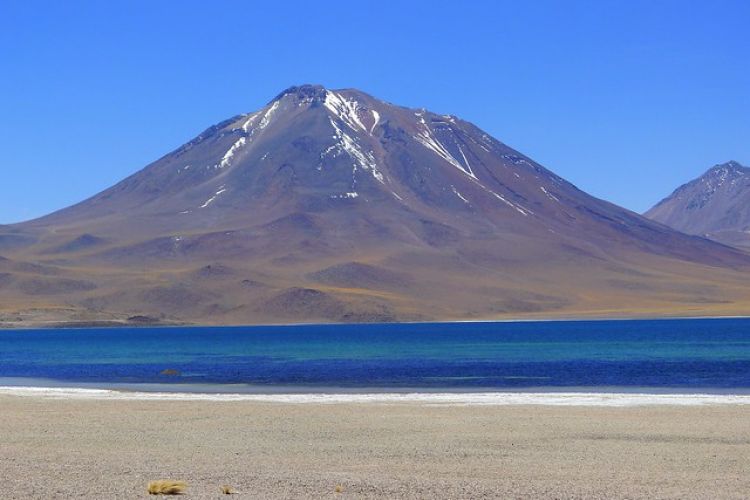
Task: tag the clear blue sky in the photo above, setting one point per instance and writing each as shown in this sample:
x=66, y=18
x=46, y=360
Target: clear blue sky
x=627, y=99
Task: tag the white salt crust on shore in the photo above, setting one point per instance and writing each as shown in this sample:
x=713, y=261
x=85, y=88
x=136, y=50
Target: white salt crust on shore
x=450, y=399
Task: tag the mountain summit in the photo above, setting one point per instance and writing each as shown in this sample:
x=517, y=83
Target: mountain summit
x=332, y=205
x=715, y=205
x=317, y=150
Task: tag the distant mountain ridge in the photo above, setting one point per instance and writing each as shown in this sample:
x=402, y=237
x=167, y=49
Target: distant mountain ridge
x=715, y=205
x=331, y=205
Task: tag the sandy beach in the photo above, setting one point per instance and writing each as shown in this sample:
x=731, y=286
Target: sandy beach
x=102, y=448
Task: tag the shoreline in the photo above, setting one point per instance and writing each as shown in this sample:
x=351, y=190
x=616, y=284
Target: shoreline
x=116, y=325
x=485, y=398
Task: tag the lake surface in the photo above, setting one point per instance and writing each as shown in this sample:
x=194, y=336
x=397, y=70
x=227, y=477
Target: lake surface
x=655, y=355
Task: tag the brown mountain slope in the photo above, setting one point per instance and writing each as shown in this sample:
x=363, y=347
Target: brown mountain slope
x=335, y=206
x=715, y=205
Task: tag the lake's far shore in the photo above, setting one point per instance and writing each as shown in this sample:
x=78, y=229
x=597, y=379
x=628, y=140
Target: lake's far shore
x=60, y=448
x=119, y=324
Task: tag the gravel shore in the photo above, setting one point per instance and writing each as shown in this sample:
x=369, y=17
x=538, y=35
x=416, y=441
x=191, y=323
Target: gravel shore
x=64, y=448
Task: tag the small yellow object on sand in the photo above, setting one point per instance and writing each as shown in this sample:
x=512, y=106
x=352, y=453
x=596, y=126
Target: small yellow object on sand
x=166, y=487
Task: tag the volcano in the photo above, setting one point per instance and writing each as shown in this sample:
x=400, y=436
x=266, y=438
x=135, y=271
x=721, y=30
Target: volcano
x=332, y=205
x=715, y=205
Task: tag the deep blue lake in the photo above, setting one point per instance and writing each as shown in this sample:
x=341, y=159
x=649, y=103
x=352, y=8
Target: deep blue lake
x=657, y=354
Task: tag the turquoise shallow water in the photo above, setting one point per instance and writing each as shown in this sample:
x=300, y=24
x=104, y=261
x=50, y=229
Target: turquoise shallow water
x=654, y=354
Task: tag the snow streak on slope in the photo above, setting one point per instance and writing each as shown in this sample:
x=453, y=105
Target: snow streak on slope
x=230, y=153
x=346, y=110
x=376, y=120
x=348, y=144
x=428, y=140
x=218, y=193
x=268, y=115
x=455, y=191
x=549, y=195
x=519, y=209
x=246, y=126
x=249, y=132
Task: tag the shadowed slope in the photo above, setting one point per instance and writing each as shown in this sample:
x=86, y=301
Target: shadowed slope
x=715, y=205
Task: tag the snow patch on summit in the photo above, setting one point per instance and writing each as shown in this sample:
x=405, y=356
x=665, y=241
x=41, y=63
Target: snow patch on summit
x=346, y=110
